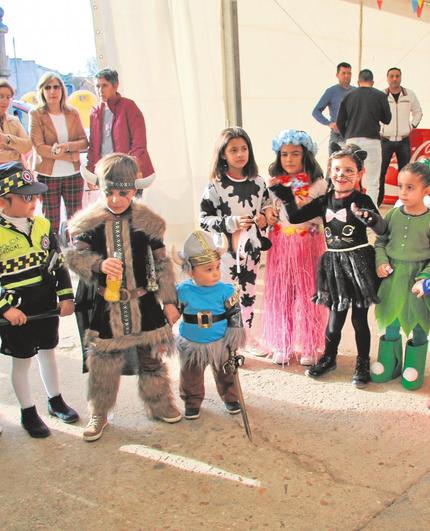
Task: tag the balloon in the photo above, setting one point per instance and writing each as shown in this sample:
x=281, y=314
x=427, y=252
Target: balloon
x=30, y=97
x=83, y=101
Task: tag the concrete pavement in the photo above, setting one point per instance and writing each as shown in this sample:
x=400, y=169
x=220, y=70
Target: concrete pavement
x=325, y=456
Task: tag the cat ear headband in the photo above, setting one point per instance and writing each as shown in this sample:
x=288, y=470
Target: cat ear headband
x=348, y=150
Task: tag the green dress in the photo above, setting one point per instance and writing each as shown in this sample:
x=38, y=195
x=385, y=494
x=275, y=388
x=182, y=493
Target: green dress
x=406, y=247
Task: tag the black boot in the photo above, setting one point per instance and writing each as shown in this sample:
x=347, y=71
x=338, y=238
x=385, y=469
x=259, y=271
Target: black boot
x=58, y=408
x=361, y=375
x=326, y=364
x=31, y=421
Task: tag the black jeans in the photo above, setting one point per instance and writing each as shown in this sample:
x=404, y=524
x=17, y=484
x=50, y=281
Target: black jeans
x=402, y=149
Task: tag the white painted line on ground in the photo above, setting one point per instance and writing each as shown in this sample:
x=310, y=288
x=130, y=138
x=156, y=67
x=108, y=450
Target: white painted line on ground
x=186, y=463
x=74, y=497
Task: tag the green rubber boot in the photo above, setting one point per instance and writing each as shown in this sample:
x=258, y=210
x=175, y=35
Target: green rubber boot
x=415, y=364
x=389, y=363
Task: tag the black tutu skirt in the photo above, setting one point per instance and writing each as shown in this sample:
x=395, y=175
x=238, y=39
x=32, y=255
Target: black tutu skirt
x=347, y=278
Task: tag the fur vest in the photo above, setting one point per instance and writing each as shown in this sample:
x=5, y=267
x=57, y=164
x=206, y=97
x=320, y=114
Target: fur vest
x=138, y=234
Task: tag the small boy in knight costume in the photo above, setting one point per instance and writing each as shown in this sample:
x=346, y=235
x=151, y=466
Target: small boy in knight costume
x=33, y=280
x=121, y=238
x=211, y=324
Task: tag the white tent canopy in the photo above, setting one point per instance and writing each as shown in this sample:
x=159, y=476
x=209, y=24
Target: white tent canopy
x=170, y=60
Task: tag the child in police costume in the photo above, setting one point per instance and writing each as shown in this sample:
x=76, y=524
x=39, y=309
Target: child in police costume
x=211, y=325
x=33, y=280
x=119, y=237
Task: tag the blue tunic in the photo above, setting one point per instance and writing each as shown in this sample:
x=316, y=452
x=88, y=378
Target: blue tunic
x=196, y=299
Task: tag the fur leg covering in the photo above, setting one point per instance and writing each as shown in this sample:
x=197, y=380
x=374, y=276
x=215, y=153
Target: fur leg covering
x=155, y=390
x=103, y=381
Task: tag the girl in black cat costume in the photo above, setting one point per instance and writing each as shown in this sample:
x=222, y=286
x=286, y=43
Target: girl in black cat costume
x=346, y=273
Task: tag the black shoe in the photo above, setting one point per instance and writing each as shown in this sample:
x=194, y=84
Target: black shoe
x=31, y=421
x=232, y=407
x=326, y=364
x=192, y=413
x=361, y=376
x=58, y=408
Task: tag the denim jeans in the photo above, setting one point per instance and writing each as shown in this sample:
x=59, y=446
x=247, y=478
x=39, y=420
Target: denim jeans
x=372, y=164
x=402, y=149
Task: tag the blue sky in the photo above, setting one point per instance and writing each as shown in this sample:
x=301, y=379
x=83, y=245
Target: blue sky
x=57, y=34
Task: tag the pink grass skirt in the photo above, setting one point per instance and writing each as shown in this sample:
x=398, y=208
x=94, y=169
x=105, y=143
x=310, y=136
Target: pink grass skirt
x=292, y=325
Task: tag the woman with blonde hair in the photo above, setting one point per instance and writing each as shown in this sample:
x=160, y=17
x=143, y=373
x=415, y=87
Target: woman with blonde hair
x=14, y=141
x=58, y=137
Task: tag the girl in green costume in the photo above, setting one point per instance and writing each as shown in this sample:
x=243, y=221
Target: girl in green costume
x=402, y=258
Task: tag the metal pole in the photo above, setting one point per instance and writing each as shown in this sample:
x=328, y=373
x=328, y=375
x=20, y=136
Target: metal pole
x=231, y=62
x=16, y=67
x=360, y=37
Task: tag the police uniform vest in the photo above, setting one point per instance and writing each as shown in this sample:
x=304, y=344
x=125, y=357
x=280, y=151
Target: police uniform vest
x=21, y=255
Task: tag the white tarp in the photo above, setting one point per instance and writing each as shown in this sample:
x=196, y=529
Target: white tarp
x=168, y=55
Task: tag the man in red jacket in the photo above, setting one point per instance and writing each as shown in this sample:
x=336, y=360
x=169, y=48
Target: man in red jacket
x=117, y=125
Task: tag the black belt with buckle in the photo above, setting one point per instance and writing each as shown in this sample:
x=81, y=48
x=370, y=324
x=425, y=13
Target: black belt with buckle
x=387, y=138
x=203, y=319
x=125, y=295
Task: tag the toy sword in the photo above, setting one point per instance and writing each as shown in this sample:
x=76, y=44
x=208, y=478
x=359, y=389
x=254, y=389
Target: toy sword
x=52, y=313
x=231, y=367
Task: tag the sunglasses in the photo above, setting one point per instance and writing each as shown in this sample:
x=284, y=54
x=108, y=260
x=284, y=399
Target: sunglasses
x=28, y=198
x=53, y=87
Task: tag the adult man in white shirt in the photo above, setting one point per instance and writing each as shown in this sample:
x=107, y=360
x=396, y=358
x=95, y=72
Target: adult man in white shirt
x=406, y=115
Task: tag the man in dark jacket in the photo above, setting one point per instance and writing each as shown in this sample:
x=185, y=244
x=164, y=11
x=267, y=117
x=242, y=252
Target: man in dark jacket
x=117, y=125
x=358, y=121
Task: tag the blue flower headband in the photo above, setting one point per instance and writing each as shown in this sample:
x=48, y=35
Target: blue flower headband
x=292, y=136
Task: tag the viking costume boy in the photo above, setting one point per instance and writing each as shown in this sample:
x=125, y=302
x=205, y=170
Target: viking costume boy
x=132, y=332
x=211, y=327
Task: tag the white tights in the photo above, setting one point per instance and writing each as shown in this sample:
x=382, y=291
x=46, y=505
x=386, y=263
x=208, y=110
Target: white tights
x=48, y=372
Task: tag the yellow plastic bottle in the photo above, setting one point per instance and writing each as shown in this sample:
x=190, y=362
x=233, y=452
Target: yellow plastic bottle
x=113, y=286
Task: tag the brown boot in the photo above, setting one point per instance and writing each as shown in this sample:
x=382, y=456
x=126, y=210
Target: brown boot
x=94, y=428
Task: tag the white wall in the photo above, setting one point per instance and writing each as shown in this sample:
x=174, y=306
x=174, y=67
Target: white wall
x=168, y=54
x=289, y=59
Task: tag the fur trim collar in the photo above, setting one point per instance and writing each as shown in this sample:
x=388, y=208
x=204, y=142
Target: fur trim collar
x=142, y=219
